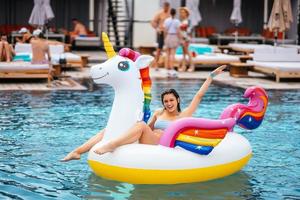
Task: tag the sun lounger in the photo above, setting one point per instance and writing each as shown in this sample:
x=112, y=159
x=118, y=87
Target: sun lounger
x=246, y=48
x=56, y=52
x=276, y=54
x=87, y=42
x=25, y=70
x=277, y=69
x=210, y=59
x=205, y=55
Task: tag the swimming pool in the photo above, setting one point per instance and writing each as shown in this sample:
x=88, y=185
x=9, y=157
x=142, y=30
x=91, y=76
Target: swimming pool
x=37, y=129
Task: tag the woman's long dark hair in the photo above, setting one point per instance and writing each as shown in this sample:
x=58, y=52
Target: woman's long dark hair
x=174, y=92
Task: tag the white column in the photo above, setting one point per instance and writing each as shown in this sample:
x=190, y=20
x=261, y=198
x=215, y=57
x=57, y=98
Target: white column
x=265, y=14
x=91, y=14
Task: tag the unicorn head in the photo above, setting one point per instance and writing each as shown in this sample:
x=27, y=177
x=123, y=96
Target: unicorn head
x=128, y=74
x=118, y=71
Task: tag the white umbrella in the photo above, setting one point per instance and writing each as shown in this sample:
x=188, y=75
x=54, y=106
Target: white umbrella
x=276, y=21
x=48, y=10
x=41, y=13
x=37, y=17
x=236, y=15
x=287, y=13
x=195, y=16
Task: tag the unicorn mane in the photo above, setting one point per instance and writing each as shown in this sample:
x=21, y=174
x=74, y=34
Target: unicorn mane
x=146, y=81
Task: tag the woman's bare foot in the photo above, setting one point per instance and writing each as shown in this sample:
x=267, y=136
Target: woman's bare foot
x=104, y=149
x=191, y=68
x=71, y=156
x=182, y=68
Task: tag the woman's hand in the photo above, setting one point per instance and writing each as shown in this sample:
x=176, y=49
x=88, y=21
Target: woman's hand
x=218, y=71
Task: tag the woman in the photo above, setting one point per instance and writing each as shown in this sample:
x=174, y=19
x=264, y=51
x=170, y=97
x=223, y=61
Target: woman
x=149, y=133
x=26, y=36
x=172, y=41
x=6, y=50
x=185, y=30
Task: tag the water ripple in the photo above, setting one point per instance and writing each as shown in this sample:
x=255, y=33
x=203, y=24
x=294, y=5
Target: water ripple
x=37, y=129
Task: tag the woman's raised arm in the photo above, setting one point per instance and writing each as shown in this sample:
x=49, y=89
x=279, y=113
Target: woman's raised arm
x=188, y=112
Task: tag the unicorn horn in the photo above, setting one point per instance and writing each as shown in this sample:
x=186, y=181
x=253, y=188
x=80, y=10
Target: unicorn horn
x=108, y=46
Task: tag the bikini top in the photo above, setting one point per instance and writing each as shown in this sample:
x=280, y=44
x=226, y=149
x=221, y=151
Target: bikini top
x=161, y=124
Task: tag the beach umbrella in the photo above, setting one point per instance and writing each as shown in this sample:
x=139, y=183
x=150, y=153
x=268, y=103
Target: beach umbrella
x=48, y=10
x=195, y=16
x=236, y=15
x=41, y=13
x=37, y=17
x=287, y=13
x=276, y=21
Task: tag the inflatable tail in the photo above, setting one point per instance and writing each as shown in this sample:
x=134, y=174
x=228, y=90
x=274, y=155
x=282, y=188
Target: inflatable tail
x=198, y=135
x=249, y=116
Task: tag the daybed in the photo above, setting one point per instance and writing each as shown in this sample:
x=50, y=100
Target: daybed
x=205, y=55
x=211, y=59
x=87, y=42
x=277, y=69
x=25, y=70
x=246, y=48
x=280, y=62
x=56, y=52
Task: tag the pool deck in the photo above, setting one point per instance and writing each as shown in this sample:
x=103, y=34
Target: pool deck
x=72, y=79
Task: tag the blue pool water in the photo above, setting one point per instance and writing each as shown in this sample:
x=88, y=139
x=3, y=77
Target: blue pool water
x=37, y=129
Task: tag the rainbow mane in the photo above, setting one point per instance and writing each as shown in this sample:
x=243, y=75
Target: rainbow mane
x=146, y=81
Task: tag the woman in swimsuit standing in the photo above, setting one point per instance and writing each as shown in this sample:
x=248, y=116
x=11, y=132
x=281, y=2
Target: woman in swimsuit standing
x=149, y=133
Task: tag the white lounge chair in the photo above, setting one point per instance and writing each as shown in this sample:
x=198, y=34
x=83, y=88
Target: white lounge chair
x=277, y=69
x=211, y=59
x=87, y=42
x=246, y=48
x=281, y=62
x=25, y=70
x=56, y=52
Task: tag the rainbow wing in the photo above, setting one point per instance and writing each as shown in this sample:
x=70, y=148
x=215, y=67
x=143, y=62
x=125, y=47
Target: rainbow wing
x=201, y=141
x=197, y=135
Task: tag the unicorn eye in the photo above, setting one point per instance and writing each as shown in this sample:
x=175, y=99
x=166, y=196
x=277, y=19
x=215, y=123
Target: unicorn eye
x=123, y=66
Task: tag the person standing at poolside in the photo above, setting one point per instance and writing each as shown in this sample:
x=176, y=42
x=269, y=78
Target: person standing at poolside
x=79, y=30
x=172, y=41
x=6, y=50
x=185, y=30
x=158, y=24
x=40, y=49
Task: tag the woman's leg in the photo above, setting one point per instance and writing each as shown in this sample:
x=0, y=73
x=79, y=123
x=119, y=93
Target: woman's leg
x=172, y=57
x=8, y=52
x=1, y=51
x=191, y=63
x=167, y=58
x=132, y=135
x=184, y=53
x=75, y=154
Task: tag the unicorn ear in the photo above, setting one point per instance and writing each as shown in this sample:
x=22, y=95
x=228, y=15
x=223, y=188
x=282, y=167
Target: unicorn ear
x=143, y=61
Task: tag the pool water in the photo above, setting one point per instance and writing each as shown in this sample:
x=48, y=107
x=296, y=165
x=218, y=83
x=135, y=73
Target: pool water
x=37, y=129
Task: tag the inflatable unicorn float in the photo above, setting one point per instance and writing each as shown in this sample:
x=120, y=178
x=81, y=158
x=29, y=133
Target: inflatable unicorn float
x=190, y=150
